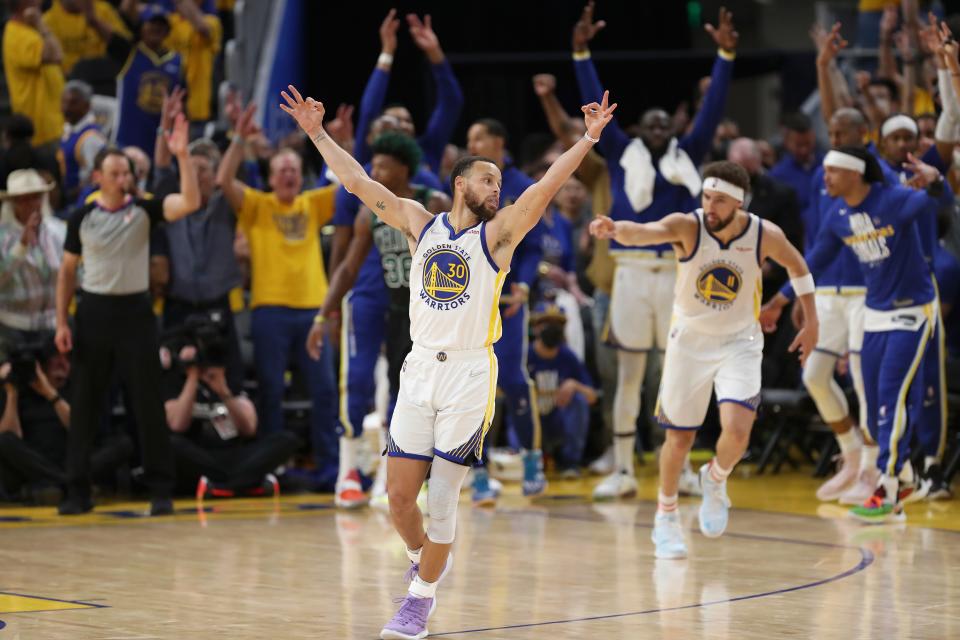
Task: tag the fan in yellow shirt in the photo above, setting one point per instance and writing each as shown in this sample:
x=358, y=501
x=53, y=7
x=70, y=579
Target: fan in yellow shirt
x=83, y=28
x=288, y=287
x=196, y=37
x=31, y=64
x=283, y=231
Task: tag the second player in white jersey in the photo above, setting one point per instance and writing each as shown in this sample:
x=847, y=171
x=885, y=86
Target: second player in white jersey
x=719, y=288
x=715, y=342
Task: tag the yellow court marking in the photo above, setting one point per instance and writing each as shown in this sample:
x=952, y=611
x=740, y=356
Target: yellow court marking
x=16, y=603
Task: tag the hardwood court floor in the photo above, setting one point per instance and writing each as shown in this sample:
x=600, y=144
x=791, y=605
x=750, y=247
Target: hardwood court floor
x=558, y=568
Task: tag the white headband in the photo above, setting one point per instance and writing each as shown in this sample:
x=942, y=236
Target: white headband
x=716, y=184
x=895, y=123
x=841, y=160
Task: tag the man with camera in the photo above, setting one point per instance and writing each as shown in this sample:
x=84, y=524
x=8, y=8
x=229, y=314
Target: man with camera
x=203, y=268
x=34, y=420
x=31, y=249
x=214, y=425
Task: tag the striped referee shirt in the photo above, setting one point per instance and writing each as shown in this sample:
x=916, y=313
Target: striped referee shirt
x=114, y=244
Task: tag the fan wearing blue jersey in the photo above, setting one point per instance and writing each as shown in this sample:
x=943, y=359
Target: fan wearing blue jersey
x=880, y=222
x=715, y=341
x=651, y=176
x=448, y=381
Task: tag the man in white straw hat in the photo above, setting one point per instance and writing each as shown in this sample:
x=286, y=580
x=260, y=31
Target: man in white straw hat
x=31, y=249
x=715, y=341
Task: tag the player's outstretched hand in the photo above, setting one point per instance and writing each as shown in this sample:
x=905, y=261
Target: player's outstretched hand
x=308, y=113
x=597, y=116
x=603, y=227
x=805, y=341
x=769, y=317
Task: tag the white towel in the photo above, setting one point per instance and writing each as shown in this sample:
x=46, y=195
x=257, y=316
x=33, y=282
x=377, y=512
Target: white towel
x=640, y=176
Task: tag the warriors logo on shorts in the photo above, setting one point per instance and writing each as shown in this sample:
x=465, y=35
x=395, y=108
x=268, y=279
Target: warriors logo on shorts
x=446, y=274
x=718, y=284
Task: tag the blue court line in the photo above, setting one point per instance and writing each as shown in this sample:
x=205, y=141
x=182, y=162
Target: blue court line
x=32, y=597
x=866, y=559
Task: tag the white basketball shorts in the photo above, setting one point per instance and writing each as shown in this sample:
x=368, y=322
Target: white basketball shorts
x=641, y=303
x=841, y=322
x=445, y=405
x=697, y=363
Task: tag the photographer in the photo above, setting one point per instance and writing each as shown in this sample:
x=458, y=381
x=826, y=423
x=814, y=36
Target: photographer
x=34, y=420
x=215, y=427
x=31, y=250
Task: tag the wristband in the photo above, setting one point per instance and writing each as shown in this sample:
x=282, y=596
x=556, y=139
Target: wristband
x=319, y=319
x=803, y=285
x=586, y=136
x=385, y=59
x=727, y=55
x=55, y=399
x=581, y=55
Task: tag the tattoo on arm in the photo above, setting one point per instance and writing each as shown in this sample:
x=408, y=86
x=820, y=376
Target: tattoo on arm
x=381, y=205
x=319, y=137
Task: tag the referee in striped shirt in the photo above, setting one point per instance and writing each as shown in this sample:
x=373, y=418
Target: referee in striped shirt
x=115, y=329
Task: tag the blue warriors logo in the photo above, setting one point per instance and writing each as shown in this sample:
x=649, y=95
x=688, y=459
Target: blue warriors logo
x=718, y=285
x=446, y=274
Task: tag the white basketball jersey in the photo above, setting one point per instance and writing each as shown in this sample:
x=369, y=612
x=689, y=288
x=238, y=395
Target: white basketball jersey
x=719, y=287
x=454, y=289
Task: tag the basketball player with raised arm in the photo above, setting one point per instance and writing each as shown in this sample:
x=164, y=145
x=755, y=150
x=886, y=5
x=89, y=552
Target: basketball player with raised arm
x=448, y=381
x=715, y=341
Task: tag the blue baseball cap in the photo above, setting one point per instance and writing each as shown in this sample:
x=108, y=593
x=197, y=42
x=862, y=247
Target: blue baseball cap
x=155, y=12
x=547, y=310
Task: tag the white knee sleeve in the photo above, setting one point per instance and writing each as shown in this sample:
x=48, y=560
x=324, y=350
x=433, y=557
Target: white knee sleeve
x=626, y=403
x=826, y=393
x=443, y=494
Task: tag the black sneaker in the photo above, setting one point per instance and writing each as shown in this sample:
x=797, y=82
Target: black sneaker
x=161, y=507
x=938, y=489
x=75, y=505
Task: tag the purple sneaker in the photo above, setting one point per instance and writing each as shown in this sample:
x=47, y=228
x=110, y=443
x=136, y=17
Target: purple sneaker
x=410, y=622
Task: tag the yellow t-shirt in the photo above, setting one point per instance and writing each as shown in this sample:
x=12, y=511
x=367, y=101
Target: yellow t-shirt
x=78, y=39
x=34, y=87
x=198, y=54
x=286, y=261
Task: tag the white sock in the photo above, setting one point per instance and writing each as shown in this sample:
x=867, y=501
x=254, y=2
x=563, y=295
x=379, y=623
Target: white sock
x=891, y=486
x=929, y=461
x=623, y=448
x=348, y=457
x=849, y=441
x=868, y=459
x=421, y=589
x=717, y=473
x=906, y=473
x=665, y=503
x=414, y=555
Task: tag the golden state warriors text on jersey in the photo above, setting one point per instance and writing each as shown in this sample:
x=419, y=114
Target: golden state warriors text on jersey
x=718, y=287
x=718, y=284
x=446, y=277
x=454, y=288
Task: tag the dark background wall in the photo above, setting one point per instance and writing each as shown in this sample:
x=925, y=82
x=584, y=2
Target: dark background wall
x=650, y=54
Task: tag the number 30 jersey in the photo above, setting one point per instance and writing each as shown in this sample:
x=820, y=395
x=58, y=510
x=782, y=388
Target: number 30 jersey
x=454, y=289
